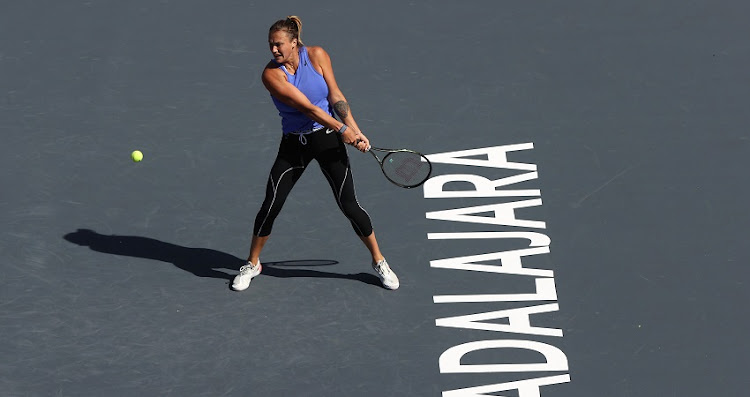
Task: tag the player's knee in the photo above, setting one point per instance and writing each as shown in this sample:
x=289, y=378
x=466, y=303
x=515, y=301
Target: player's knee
x=351, y=208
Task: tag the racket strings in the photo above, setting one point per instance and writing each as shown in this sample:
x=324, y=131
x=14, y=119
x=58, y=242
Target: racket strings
x=406, y=168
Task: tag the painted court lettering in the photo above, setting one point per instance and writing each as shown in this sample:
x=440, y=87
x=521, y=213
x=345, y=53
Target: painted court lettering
x=503, y=214
x=519, y=321
x=554, y=358
x=523, y=322
x=510, y=262
x=545, y=291
x=482, y=187
x=535, y=239
x=525, y=388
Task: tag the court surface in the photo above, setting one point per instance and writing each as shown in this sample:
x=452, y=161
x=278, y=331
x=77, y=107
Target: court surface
x=605, y=259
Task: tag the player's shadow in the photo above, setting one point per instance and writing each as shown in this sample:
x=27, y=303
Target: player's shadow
x=203, y=262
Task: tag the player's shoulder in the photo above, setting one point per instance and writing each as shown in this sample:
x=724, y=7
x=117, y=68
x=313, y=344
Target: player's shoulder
x=272, y=66
x=271, y=69
x=272, y=72
x=316, y=52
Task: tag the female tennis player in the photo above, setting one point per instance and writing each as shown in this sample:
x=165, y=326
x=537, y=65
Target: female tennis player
x=302, y=85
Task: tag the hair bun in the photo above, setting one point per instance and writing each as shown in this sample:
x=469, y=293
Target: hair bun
x=292, y=25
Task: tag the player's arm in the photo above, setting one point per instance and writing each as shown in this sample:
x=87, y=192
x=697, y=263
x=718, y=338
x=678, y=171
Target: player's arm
x=279, y=87
x=337, y=99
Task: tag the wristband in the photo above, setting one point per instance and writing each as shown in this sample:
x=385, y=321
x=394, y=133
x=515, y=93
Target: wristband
x=342, y=129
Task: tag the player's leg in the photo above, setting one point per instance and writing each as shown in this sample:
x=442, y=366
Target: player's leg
x=256, y=247
x=285, y=172
x=334, y=163
x=284, y=175
x=335, y=166
x=386, y=274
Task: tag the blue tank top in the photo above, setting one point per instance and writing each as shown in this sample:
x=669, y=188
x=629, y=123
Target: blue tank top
x=314, y=86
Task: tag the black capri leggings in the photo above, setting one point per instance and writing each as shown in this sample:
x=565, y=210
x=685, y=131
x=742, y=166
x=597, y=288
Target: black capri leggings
x=295, y=153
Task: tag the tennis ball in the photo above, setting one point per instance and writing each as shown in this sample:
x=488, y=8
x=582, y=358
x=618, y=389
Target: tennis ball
x=137, y=155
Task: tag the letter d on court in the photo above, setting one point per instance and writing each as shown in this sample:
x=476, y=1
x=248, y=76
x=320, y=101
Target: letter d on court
x=450, y=360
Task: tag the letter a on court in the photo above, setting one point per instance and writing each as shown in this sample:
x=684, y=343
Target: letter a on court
x=497, y=157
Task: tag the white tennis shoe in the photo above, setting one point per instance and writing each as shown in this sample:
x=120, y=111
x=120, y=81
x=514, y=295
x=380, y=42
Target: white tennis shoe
x=387, y=276
x=247, y=272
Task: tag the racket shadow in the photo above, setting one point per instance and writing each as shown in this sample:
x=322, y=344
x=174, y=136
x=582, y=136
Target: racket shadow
x=287, y=269
x=203, y=262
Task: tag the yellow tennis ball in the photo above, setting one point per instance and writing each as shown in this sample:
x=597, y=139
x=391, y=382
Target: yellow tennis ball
x=137, y=155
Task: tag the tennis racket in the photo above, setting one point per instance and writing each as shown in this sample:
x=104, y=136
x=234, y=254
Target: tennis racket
x=403, y=167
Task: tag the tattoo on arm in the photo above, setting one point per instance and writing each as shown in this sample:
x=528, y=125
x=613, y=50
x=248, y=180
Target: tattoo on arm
x=341, y=108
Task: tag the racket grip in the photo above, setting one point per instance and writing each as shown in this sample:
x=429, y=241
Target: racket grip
x=368, y=146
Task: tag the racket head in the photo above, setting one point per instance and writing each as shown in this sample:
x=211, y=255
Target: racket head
x=406, y=168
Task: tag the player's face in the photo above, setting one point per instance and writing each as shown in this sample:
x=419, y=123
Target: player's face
x=281, y=46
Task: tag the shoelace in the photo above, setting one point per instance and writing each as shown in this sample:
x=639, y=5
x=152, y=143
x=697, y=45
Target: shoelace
x=382, y=267
x=247, y=268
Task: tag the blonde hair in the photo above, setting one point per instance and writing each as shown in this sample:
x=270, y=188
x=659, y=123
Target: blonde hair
x=292, y=25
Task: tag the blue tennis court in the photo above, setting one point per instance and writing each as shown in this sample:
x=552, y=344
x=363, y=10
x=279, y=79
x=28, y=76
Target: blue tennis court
x=580, y=234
